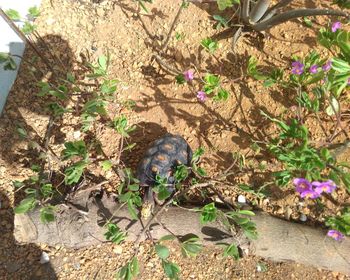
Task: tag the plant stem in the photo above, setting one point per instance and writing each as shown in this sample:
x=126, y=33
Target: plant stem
x=245, y=11
x=166, y=42
x=24, y=38
x=259, y=10
x=278, y=19
x=272, y=11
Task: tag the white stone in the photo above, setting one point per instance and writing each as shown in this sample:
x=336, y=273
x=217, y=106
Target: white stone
x=303, y=218
x=242, y=199
x=44, y=258
x=76, y=134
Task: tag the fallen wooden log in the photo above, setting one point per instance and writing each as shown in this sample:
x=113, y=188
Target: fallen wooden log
x=278, y=240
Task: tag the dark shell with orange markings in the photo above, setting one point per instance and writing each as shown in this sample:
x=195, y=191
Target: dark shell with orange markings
x=162, y=158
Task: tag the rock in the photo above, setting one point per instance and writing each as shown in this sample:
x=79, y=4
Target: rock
x=303, y=218
x=241, y=199
x=44, y=258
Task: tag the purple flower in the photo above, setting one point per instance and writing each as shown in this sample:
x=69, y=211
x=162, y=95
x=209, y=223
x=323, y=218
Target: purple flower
x=188, y=75
x=348, y=81
x=335, y=26
x=201, y=95
x=310, y=194
x=327, y=187
x=337, y=235
x=313, y=69
x=302, y=185
x=297, y=68
x=327, y=66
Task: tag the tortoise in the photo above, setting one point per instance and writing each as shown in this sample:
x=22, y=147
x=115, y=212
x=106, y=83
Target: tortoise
x=161, y=158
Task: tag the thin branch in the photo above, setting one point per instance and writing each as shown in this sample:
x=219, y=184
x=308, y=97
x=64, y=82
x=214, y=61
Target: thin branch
x=172, y=27
x=171, y=70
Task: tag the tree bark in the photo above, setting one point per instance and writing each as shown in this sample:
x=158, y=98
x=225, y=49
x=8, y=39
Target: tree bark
x=278, y=240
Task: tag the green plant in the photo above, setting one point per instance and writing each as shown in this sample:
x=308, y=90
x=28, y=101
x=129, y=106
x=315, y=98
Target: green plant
x=38, y=192
x=340, y=222
x=212, y=87
x=129, y=192
x=261, y=15
x=8, y=62
x=114, y=233
x=210, y=45
x=28, y=26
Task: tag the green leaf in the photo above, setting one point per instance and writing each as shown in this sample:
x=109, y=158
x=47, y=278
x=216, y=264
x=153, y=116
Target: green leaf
x=26, y=205
x=77, y=148
x=197, y=154
x=231, y=251
x=246, y=212
x=223, y=4
x=190, y=247
x=47, y=214
x=181, y=173
x=222, y=22
x=253, y=71
x=329, y=110
x=18, y=184
x=167, y=237
x=210, y=45
x=46, y=190
x=133, y=187
x=163, y=192
x=114, y=233
x=307, y=21
x=13, y=14
x=130, y=270
x=22, y=132
x=74, y=172
x=180, y=79
x=28, y=28
x=340, y=65
x=171, y=269
x=34, y=12
x=346, y=180
x=103, y=62
x=162, y=251
x=106, y=165
x=208, y=213
x=222, y=95
x=132, y=209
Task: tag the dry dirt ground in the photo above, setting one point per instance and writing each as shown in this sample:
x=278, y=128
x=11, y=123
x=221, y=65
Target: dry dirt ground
x=80, y=31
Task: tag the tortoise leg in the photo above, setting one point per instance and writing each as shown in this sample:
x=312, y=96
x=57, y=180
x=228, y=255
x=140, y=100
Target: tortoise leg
x=148, y=203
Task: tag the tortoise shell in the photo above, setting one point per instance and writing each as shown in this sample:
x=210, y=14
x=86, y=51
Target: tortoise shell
x=162, y=158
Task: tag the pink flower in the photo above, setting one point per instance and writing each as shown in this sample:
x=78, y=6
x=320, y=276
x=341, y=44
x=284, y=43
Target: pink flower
x=302, y=185
x=310, y=194
x=327, y=187
x=313, y=69
x=327, y=66
x=297, y=68
x=335, y=26
x=188, y=75
x=201, y=95
x=337, y=235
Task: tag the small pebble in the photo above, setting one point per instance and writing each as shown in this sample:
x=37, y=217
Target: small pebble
x=303, y=218
x=76, y=134
x=242, y=199
x=44, y=258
